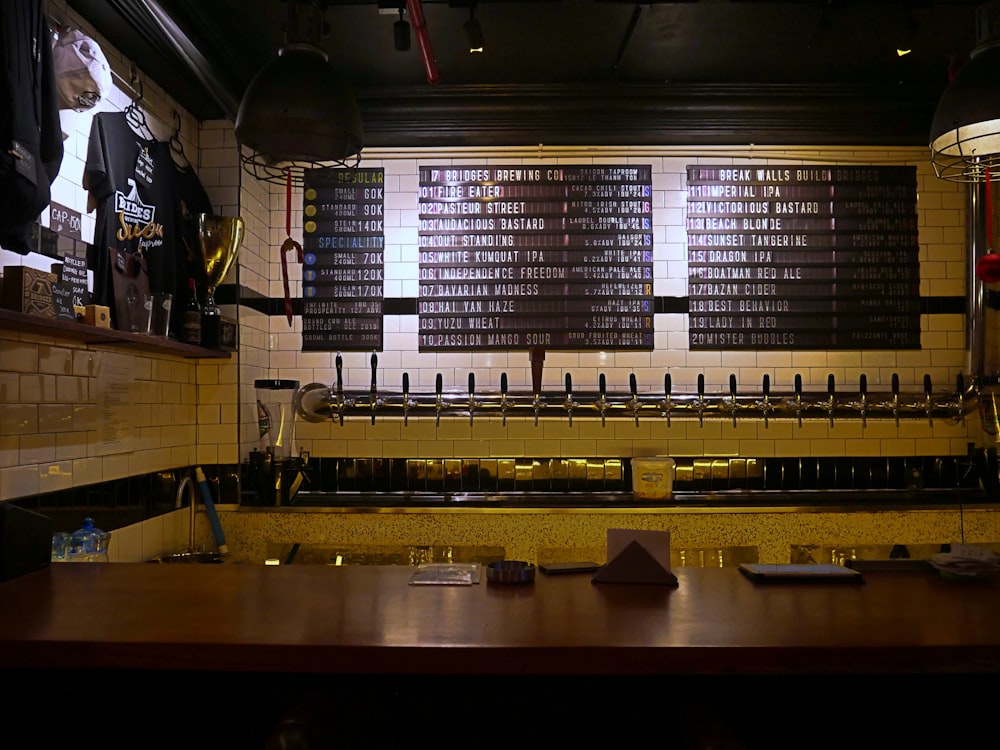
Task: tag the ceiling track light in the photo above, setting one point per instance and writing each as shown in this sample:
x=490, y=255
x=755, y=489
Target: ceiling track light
x=965, y=130
x=401, y=33
x=473, y=32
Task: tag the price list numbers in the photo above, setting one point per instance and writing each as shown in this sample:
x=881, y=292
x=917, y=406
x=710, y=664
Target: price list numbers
x=811, y=257
x=343, y=259
x=515, y=257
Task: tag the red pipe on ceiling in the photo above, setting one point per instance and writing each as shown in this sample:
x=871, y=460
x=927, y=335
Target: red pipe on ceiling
x=416, y=11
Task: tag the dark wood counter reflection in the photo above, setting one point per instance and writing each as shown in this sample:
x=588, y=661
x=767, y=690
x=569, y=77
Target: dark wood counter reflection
x=367, y=620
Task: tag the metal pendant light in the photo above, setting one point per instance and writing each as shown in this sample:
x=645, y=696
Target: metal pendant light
x=297, y=113
x=965, y=131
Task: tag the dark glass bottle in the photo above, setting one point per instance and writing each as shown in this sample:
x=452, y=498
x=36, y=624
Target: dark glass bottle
x=211, y=321
x=191, y=330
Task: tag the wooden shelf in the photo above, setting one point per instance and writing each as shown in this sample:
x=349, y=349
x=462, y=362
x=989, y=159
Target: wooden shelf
x=11, y=320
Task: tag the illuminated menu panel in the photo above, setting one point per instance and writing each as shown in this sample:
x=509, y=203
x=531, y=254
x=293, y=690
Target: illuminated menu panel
x=811, y=257
x=554, y=256
x=343, y=252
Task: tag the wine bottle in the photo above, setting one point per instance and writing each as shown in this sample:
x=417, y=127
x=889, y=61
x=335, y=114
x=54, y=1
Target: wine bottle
x=191, y=331
x=211, y=321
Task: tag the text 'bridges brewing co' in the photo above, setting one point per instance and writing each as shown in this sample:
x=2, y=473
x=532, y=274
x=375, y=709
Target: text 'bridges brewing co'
x=518, y=257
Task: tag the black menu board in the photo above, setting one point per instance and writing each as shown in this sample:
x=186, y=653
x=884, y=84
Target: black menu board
x=556, y=256
x=343, y=252
x=804, y=257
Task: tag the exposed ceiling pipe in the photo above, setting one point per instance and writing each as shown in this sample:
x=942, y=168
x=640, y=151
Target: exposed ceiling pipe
x=416, y=11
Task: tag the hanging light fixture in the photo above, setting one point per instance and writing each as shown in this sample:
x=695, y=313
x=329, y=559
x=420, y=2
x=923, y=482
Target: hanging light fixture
x=965, y=131
x=297, y=113
x=473, y=32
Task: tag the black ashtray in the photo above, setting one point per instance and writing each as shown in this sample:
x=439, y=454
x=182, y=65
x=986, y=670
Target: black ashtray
x=510, y=571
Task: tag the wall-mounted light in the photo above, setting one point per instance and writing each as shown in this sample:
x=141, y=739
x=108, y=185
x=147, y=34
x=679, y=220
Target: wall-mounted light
x=965, y=131
x=473, y=33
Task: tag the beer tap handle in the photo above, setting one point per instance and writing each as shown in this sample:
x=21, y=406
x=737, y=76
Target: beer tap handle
x=438, y=388
x=373, y=399
x=960, y=389
x=472, y=395
x=928, y=401
x=406, y=398
x=634, y=387
x=701, y=399
x=895, y=397
x=831, y=390
x=765, y=387
x=798, y=397
x=863, y=390
x=339, y=361
x=732, y=396
x=569, y=398
x=503, y=398
x=667, y=387
x=602, y=386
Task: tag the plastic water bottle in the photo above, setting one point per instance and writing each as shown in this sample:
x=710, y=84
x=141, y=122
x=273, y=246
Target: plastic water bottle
x=88, y=544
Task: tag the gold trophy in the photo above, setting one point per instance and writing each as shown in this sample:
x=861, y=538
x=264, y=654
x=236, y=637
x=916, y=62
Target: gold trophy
x=219, y=240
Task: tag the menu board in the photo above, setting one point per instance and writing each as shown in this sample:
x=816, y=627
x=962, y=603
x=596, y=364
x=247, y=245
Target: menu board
x=343, y=259
x=807, y=257
x=513, y=257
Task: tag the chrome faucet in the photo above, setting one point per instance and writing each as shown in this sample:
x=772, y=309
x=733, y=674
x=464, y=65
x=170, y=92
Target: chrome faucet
x=503, y=399
x=602, y=402
x=569, y=404
x=666, y=405
x=633, y=403
x=960, y=389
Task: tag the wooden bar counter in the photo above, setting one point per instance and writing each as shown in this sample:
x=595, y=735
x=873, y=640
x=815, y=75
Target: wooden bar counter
x=248, y=656
x=356, y=620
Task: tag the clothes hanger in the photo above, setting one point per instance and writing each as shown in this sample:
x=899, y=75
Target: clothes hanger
x=134, y=115
x=176, y=146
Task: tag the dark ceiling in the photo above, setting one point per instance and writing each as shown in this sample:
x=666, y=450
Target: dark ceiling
x=580, y=71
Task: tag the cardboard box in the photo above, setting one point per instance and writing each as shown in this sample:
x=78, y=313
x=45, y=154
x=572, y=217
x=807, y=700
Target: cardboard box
x=97, y=315
x=28, y=290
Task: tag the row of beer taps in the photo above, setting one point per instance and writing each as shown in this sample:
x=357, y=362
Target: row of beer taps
x=316, y=402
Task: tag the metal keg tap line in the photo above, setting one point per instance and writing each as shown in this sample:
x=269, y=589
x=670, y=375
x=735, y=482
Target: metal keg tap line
x=569, y=404
x=667, y=406
x=960, y=388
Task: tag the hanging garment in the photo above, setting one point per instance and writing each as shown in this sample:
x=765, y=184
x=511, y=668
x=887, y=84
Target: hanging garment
x=147, y=210
x=31, y=149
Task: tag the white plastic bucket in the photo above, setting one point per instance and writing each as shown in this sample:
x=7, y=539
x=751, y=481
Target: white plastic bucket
x=652, y=477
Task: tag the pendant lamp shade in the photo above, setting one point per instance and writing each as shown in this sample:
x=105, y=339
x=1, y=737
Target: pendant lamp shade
x=965, y=131
x=297, y=113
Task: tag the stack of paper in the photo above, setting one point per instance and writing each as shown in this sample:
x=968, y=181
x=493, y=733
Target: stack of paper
x=967, y=560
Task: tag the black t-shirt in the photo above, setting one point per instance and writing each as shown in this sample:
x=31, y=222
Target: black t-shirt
x=143, y=200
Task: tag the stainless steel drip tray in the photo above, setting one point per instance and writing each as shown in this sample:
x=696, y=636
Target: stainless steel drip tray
x=729, y=498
